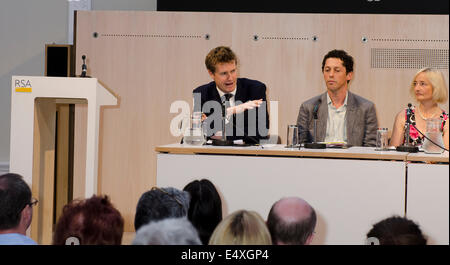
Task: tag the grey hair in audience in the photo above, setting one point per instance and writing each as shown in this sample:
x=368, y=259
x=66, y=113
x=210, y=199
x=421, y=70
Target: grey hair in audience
x=160, y=203
x=170, y=231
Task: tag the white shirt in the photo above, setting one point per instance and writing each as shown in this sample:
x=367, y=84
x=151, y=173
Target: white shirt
x=336, y=129
x=232, y=101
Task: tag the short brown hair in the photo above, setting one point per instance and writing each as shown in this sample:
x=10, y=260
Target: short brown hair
x=221, y=54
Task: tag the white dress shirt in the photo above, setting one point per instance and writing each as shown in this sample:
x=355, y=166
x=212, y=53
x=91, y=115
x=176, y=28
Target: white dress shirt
x=336, y=129
x=232, y=100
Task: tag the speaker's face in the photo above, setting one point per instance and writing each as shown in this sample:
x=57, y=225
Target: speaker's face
x=225, y=76
x=335, y=75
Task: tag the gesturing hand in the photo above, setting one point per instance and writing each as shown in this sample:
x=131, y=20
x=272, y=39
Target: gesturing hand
x=251, y=104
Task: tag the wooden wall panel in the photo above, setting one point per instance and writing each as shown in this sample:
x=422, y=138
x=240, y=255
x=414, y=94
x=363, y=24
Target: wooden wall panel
x=79, y=151
x=43, y=169
x=151, y=59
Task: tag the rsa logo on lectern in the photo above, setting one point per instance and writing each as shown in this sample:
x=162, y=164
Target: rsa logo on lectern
x=22, y=85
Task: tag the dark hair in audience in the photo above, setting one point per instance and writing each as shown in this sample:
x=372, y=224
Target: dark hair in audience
x=291, y=233
x=347, y=60
x=397, y=230
x=93, y=221
x=170, y=231
x=221, y=54
x=159, y=203
x=205, y=208
x=15, y=194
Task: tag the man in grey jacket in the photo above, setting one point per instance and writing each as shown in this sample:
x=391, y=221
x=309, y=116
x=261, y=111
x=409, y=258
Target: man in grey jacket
x=341, y=115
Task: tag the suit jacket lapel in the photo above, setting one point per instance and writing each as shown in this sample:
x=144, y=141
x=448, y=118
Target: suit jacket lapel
x=322, y=119
x=350, y=116
x=214, y=94
x=239, y=96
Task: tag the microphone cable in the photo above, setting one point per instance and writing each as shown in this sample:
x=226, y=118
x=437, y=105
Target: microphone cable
x=414, y=125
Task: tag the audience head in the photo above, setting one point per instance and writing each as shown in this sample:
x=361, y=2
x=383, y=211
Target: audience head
x=205, y=208
x=170, y=231
x=433, y=78
x=397, y=230
x=241, y=228
x=92, y=221
x=218, y=55
x=160, y=203
x=291, y=221
x=15, y=204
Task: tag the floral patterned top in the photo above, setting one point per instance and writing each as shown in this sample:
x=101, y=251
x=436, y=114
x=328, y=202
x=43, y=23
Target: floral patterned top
x=415, y=138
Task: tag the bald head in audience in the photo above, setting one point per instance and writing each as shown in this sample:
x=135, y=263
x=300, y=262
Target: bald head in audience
x=291, y=221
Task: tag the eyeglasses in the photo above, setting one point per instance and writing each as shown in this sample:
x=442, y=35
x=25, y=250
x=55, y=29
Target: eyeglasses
x=33, y=202
x=170, y=195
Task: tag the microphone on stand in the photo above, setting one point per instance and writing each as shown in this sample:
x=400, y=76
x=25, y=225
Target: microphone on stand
x=407, y=147
x=224, y=141
x=314, y=144
x=83, y=67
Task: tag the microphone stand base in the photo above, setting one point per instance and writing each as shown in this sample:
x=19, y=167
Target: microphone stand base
x=315, y=146
x=220, y=142
x=406, y=148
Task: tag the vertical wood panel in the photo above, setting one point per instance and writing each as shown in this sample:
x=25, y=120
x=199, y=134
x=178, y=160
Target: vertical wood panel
x=62, y=159
x=43, y=170
x=79, y=152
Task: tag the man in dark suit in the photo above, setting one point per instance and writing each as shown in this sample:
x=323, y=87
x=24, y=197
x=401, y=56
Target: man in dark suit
x=341, y=115
x=244, y=100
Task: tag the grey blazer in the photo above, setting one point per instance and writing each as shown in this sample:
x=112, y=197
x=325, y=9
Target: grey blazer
x=361, y=120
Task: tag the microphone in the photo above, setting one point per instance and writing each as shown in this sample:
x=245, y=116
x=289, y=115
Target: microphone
x=314, y=144
x=407, y=147
x=316, y=108
x=409, y=115
x=83, y=67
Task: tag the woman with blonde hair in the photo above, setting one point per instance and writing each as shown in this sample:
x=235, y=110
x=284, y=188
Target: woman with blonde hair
x=241, y=228
x=428, y=88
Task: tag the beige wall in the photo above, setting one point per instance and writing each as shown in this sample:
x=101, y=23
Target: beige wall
x=151, y=59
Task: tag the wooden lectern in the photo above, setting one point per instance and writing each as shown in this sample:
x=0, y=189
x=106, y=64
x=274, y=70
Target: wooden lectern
x=32, y=150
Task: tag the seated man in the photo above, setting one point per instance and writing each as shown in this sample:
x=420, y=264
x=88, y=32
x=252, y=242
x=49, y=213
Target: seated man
x=16, y=210
x=341, y=115
x=291, y=221
x=245, y=100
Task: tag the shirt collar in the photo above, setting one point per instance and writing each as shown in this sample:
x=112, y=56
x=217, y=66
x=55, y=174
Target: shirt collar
x=221, y=93
x=329, y=102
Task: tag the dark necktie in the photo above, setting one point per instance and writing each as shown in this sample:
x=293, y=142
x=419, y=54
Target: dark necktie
x=227, y=100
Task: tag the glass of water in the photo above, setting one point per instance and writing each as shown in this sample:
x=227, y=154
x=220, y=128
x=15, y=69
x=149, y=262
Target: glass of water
x=195, y=134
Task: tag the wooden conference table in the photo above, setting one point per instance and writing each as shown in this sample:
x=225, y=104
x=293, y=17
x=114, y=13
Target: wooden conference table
x=350, y=189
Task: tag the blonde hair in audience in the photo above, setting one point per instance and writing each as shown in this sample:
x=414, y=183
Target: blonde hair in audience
x=436, y=78
x=241, y=228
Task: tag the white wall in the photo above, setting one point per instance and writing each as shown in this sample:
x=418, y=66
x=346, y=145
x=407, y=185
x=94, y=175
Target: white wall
x=25, y=27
